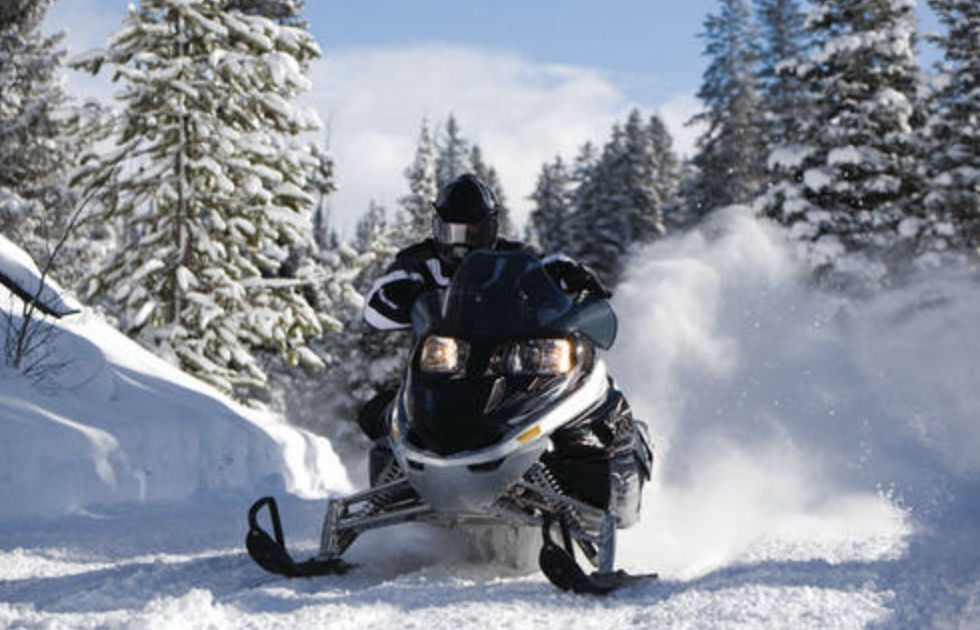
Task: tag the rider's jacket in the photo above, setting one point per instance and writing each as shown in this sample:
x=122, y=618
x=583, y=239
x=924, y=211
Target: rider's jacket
x=421, y=267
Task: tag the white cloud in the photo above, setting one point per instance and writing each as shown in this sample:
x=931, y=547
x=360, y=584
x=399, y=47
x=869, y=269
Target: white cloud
x=521, y=114
x=675, y=113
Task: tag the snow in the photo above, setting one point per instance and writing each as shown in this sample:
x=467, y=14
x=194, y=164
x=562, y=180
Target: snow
x=817, y=466
x=816, y=179
x=18, y=268
x=849, y=155
x=789, y=156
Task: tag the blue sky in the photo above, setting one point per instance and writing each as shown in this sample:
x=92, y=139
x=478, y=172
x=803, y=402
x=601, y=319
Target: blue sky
x=526, y=79
x=648, y=48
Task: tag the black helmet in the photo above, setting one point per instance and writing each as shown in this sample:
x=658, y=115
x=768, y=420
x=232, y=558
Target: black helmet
x=467, y=214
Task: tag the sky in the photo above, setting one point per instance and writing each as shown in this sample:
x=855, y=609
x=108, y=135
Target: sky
x=525, y=80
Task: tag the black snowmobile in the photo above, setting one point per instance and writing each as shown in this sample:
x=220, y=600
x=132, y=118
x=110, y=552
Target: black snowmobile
x=506, y=416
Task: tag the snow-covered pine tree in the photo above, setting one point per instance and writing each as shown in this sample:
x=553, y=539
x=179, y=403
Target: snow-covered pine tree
x=452, y=154
x=40, y=136
x=324, y=401
x=595, y=227
x=207, y=188
x=856, y=169
x=667, y=174
x=953, y=196
x=372, y=359
x=371, y=227
x=288, y=12
x=582, y=170
x=415, y=216
x=782, y=44
x=636, y=180
x=552, y=198
x=319, y=185
x=619, y=204
x=378, y=358
x=730, y=153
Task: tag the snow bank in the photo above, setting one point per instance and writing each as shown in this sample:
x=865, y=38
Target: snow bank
x=108, y=422
x=787, y=414
x=17, y=269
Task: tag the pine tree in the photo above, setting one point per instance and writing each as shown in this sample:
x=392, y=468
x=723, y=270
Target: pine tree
x=41, y=133
x=953, y=197
x=783, y=43
x=415, y=218
x=324, y=402
x=286, y=12
x=597, y=227
x=855, y=171
x=786, y=103
x=730, y=152
x=452, y=154
x=319, y=185
x=667, y=173
x=208, y=190
x=620, y=201
x=636, y=182
x=552, y=198
x=372, y=360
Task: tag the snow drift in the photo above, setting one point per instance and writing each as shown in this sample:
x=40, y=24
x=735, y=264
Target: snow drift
x=106, y=422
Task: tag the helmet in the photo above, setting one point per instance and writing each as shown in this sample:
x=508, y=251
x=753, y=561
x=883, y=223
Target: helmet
x=467, y=215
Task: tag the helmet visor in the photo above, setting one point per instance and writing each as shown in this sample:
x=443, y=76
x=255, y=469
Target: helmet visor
x=472, y=234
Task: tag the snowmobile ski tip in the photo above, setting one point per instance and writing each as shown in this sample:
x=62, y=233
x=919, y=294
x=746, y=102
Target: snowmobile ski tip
x=271, y=554
x=561, y=569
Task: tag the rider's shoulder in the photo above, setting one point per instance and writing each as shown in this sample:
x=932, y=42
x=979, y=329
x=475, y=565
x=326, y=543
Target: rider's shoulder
x=507, y=245
x=417, y=252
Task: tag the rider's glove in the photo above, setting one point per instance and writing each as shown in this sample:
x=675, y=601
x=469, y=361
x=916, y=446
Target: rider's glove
x=578, y=278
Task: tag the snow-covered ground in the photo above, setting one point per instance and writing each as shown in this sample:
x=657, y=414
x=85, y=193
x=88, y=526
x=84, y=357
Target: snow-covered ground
x=818, y=466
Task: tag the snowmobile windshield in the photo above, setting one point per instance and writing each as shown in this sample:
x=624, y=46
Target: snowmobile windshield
x=500, y=296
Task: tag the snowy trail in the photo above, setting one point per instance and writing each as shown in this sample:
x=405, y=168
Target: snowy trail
x=69, y=573
x=168, y=566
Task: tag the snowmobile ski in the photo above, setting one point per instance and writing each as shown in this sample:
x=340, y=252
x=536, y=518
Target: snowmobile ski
x=271, y=554
x=559, y=566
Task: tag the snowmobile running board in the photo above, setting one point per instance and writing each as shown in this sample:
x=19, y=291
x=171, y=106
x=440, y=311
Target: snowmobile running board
x=557, y=563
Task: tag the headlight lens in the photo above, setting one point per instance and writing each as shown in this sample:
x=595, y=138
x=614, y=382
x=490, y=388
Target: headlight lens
x=443, y=355
x=542, y=357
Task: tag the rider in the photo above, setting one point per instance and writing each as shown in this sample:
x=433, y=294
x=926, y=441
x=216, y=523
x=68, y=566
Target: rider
x=467, y=218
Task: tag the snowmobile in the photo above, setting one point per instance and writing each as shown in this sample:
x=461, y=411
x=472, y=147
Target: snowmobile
x=506, y=416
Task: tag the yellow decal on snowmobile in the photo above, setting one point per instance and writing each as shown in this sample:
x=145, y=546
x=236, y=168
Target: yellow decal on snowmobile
x=530, y=434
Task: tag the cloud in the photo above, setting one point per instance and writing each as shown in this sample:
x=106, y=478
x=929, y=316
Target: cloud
x=675, y=113
x=522, y=113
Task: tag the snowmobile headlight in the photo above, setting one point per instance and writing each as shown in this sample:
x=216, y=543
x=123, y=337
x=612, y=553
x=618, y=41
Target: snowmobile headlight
x=543, y=357
x=443, y=355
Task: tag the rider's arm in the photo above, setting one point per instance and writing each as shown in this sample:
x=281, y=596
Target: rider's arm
x=573, y=276
x=388, y=305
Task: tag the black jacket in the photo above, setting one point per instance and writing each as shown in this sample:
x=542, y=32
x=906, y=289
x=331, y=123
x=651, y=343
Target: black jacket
x=420, y=268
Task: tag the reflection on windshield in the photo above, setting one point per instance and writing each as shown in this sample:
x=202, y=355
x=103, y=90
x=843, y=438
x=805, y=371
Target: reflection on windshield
x=498, y=296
